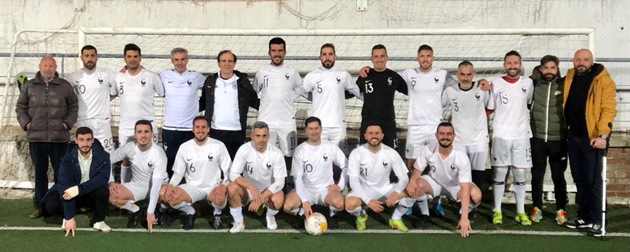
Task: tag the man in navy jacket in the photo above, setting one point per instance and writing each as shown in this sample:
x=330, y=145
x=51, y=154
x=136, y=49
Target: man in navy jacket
x=83, y=177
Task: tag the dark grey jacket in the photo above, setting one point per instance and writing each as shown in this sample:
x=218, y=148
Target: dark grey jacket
x=47, y=107
x=547, y=118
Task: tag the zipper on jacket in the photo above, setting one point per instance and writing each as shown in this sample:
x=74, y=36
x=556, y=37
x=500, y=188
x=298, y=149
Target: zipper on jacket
x=547, y=113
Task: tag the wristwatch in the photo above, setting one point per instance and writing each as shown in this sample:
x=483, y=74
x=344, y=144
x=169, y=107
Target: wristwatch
x=603, y=137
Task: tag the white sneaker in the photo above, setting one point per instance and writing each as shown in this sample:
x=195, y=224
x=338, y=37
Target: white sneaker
x=63, y=225
x=271, y=222
x=237, y=227
x=101, y=226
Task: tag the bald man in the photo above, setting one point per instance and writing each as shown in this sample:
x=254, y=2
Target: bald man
x=589, y=109
x=47, y=109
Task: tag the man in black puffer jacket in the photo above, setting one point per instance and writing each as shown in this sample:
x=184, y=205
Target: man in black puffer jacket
x=46, y=109
x=549, y=136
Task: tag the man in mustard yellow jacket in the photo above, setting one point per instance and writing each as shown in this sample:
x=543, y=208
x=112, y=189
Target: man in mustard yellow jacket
x=589, y=109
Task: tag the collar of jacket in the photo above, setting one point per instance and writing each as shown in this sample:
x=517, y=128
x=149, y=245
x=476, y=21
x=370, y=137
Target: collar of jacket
x=40, y=80
x=97, y=150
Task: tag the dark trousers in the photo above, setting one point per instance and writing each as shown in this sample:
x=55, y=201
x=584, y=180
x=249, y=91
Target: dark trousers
x=557, y=153
x=97, y=199
x=586, y=169
x=171, y=140
x=41, y=153
x=389, y=135
x=232, y=139
x=479, y=178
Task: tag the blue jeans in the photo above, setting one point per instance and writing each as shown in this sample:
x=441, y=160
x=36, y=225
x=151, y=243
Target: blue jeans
x=41, y=152
x=586, y=169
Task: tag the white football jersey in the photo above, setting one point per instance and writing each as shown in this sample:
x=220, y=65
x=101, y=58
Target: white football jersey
x=315, y=164
x=373, y=169
x=201, y=165
x=259, y=169
x=181, y=103
x=93, y=91
x=425, y=94
x=145, y=166
x=468, y=111
x=448, y=172
x=136, y=97
x=275, y=86
x=511, y=115
x=328, y=87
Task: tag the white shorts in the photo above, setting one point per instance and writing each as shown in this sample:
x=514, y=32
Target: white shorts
x=381, y=193
x=514, y=152
x=139, y=191
x=449, y=191
x=285, y=136
x=125, y=136
x=316, y=197
x=197, y=193
x=478, y=155
x=336, y=135
x=102, y=131
x=418, y=135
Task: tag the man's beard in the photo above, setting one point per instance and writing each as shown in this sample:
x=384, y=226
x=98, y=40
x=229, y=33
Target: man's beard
x=90, y=65
x=445, y=145
x=585, y=69
x=332, y=64
x=378, y=142
x=85, y=152
x=279, y=63
x=549, y=77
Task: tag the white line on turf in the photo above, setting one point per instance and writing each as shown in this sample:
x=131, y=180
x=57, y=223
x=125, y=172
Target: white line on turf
x=338, y=231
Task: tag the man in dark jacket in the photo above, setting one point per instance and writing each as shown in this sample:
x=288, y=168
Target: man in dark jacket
x=82, y=182
x=46, y=109
x=549, y=137
x=226, y=98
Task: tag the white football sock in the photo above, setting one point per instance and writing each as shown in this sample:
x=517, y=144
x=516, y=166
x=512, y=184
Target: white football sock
x=271, y=212
x=237, y=214
x=423, y=204
x=356, y=211
x=131, y=206
x=498, y=189
x=185, y=207
x=519, y=189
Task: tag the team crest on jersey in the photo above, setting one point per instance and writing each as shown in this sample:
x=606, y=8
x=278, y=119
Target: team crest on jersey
x=413, y=84
x=432, y=168
x=210, y=157
x=286, y=75
x=150, y=164
x=234, y=85
x=325, y=157
x=523, y=89
x=385, y=163
x=143, y=82
x=477, y=96
x=189, y=82
x=453, y=167
x=389, y=81
x=268, y=165
x=338, y=79
x=100, y=80
x=436, y=79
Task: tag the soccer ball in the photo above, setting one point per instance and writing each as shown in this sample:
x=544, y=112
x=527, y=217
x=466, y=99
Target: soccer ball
x=316, y=224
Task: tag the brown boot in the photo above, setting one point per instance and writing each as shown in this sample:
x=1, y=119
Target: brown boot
x=38, y=213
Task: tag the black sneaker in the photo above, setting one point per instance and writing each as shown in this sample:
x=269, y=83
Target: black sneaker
x=216, y=223
x=578, y=223
x=166, y=219
x=596, y=230
x=333, y=223
x=422, y=222
x=299, y=224
x=189, y=221
x=134, y=219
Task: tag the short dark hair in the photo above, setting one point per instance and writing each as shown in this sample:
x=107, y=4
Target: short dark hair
x=197, y=118
x=89, y=47
x=425, y=47
x=379, y=46
x=260, y=125
x=549, y=58
x=83, y=131
x=278, y=41
x=329, y=45
x=465, y=63
x=512, y=53
x=373, y=123
x=143, y=122
x=132, y=47
x=224, y=52
x=312, y=119
x=445, y=124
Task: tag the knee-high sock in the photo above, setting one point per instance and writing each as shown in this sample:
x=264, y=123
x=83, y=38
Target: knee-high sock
x=519, y=189
x=237, y=214
x=271, y=212
x=218, y=209
x=423, y=204
x=131, y=206
x=334, y=210
x=500, y=174
x=185, y=207
x=403, y=206
x=355, y=212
